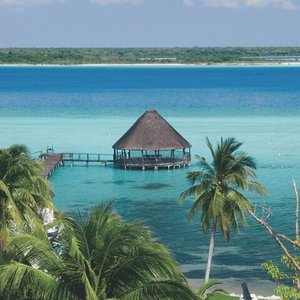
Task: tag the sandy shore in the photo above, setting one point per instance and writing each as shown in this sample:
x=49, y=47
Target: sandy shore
x=262, y=288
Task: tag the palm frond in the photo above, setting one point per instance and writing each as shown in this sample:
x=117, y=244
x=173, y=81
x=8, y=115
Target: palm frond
x=11, y=210
x=238, y=203
x=256, y=187
x=24, y=193
x=17, y=280
x=99, y=216
x=159, y=290
x=187, y=193
x=24, y=198
x=198, y=204
x=216, y=205
x=74, y=232
x=210, y=147
x=195, y=176
x=204, y=165
x=121, y=261
x=36, y=249
x=204, y=287
x=224, y=222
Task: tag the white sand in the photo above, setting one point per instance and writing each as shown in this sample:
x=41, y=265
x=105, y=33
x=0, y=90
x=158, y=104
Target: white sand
x=262, y=288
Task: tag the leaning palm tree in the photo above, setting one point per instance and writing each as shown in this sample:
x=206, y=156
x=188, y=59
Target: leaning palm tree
x=217, y=188
x=103, y=258
x=23, y=193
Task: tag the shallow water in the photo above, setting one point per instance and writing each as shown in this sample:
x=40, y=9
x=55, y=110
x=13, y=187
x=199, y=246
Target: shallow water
x=88, y=109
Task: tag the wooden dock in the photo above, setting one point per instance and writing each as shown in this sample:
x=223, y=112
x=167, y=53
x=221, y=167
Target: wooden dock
x=53, y=160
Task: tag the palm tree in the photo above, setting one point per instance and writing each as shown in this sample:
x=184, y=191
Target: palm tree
x=23, y=193
x=204, y=294
x=104, y=258
x=217, y=190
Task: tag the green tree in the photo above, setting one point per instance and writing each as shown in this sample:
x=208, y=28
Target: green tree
x=102, y=258
x=217, y=190
x=287, y=276
x=287, y=280
x=23, y=193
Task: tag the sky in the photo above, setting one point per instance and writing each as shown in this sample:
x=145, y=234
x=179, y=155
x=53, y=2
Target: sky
x=149, y=23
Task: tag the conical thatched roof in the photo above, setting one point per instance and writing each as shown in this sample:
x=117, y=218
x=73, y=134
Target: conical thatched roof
x=151, y=132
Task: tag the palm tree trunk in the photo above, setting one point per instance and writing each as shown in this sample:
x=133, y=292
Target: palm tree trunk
x=210, y=253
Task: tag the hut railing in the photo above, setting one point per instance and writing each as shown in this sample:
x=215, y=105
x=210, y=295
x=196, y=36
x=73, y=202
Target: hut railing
x=151, y=160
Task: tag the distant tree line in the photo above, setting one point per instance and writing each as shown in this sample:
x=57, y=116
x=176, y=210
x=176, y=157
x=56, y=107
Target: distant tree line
x=194, y=55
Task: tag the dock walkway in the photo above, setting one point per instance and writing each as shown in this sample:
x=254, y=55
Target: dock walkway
x=53, y=160
x=50, y=162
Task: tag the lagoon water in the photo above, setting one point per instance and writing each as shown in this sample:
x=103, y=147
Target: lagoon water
x=86, y=109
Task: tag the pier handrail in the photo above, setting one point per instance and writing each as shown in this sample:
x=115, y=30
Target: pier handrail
x=53, y=160
x=79, y=156
x=86, y=156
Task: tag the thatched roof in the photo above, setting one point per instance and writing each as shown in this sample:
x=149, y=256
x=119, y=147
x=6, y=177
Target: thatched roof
x=151, y=132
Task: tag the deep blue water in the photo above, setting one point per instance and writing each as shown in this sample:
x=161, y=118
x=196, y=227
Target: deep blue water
x=211, y=90
x=95, y=79
x=86, y=109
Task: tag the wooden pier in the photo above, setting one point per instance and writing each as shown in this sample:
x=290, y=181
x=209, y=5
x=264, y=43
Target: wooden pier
x=50, y=162
x=53, y=160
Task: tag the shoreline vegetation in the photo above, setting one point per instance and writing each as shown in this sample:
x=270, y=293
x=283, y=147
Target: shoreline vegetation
x=85, y=258
x=151, y=56
x=91, y=257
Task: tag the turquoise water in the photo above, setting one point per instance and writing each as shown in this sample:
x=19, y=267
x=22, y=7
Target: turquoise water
x=88, y=109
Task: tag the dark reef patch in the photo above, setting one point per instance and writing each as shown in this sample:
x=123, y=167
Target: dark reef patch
x=152, y=186
x=89, y=182
x=119, y=182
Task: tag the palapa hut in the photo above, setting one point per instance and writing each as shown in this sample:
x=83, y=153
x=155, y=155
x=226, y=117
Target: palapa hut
x=151, y=142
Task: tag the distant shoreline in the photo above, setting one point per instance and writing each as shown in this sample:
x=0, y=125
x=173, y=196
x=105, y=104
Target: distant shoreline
x=244, y=64
x=190, y=56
